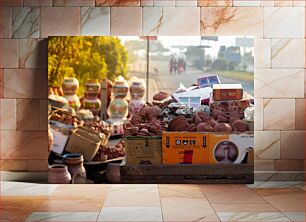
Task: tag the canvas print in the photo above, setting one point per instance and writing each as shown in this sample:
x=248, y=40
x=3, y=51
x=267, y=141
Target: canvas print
x=137, y=109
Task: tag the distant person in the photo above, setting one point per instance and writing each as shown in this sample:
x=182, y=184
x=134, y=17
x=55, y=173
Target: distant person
x=181, y=65
x=172, y=65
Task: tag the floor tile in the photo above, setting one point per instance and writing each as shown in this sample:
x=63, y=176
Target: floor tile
x=274, y=216
x=9, y=188
x=71, y=204
x=133, y=196
x=82, y=190
x=14, y=208
x=264, y=207
x=130, y=214
x=266, y=192
x=187, y=209
x=296, y=216
x=285, y=200
x=276, y=184
x=63, y=216
x=230, y=194
x=180, y=190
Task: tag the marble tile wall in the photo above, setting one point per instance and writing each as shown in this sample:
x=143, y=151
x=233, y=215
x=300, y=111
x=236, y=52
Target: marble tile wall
x=277, y=25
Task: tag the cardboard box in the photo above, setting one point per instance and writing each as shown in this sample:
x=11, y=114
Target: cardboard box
x=204, y=148
x=223, y=92
x=230, y=105
x=59, y=141
x=85, y=141
x=230, y=148
x=143, y=150
x=185, y=148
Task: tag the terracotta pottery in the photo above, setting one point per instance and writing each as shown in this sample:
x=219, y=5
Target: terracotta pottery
x=135, y=105
x=92, y=87
x=75, y=165
x=120, y=88
x=73, y=101
x=93, y=104
x=118, y=108
x=58, y=173
x=223, y=127
x=137, y=88
x=160, y=96
x=211, y=121
x=240, y=125
x=233, y=119
x=222, y=118
x=70, y=86
x=215, y=113
x=204, y=127
x=79, y=179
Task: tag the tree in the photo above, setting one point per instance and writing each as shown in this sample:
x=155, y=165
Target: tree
x=85, y=58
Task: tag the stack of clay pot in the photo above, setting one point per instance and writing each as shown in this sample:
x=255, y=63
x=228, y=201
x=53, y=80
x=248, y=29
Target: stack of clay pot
x=67, y=172
x=91, y=100
x=70, y=86
x=118, y=106
x=147, y=122
x=137, y=90
x=217, y=122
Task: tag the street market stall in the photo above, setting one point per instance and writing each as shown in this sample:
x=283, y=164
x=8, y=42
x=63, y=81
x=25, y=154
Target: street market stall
x=201, y=134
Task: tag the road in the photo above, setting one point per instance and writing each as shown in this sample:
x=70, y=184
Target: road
x=160, y=79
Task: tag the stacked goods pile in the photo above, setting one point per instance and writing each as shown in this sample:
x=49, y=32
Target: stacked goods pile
x=82, y=133
x=193, y=123
x=106, y=152
x=147, y=122
x=202, y=122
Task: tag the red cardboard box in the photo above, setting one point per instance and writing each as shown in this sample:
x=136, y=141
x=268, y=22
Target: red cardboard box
x=223, y=92
x=230, y=105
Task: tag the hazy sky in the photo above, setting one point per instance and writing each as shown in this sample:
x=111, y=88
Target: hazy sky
x=169, y=41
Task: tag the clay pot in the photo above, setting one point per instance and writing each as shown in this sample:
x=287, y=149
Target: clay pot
x=234, y=128
x=202, y=115
x=223, y=127
x=215, y=113
x=118, y=108
x=75, y=164
x=173, y=122
x=222, y=118
x=154, y=111
x=182, y=128
x=196, y=119
x=204, y=127
x=192, y=128
x=93, y=104
x=233, y=119
x=211, y=121
x=70, y=85
x=237, y=113
x=240, y=125
x=160, y=96
x=137, y=89
x=58, y=173
x=92, y=88
x=135, y=105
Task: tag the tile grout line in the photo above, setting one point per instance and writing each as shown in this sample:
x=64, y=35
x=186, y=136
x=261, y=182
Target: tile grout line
x=267, y=202
x=209, y=202
x=104, y=202
x=278, y=210
x=161, y=208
